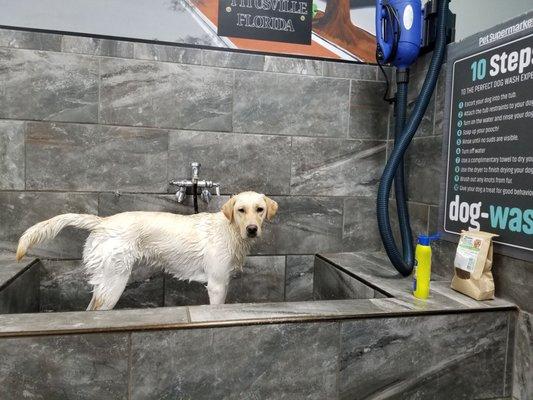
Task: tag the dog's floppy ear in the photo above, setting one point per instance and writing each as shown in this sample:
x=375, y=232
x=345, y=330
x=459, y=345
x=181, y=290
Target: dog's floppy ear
x=272, y=208
x=227, y=208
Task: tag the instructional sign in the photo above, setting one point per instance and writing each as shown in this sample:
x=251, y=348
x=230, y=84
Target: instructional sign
x=489, y=175
x=274, y=20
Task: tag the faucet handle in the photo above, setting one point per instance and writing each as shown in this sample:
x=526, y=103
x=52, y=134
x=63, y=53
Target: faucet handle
x=217, y=188
x=206, y=195
x=180, y=194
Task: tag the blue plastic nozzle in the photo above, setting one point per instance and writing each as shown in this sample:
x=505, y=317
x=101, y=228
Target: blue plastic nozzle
x=425, y=240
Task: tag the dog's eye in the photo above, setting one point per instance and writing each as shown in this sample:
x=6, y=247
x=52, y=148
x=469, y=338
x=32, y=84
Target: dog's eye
x=260, y=209
x=241, y=210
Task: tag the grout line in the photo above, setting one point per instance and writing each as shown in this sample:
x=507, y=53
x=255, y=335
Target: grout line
x=233, y=84
x=168, y=161
x=285, y=281
x=24, y=139
x=170, y=194
x=184, y=130
x=290, y=166
x=349, y=109
x=164, y=289
x=428, y=219
x=130, y=359
x=269, y=255
x=313, y=282
x=98, y=210
x=98, y=108
x=389, y=144
x=435, y=95
x=61, y=45
x=343, y=218
x=339, y=354
x=505, y=365
x=135, y=50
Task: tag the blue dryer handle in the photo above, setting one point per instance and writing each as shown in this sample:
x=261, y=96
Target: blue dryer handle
x=384, y=32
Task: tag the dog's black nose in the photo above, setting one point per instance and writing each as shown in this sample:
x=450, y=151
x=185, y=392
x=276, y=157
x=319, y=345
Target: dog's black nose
x=252, y=230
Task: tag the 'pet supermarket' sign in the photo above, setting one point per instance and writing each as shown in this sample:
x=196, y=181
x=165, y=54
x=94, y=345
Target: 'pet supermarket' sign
x=277, y=20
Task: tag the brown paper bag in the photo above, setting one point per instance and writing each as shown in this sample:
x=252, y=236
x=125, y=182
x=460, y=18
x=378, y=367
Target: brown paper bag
x=473, y=264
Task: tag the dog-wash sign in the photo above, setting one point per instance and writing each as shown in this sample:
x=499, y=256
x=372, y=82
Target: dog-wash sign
x=277, y=20
x=489, y=181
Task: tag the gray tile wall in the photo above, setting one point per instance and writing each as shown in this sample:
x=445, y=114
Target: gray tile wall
x=330, y=283
x=60, y=285
x=100, y=126
x=167, y=95
x=387, y=358
x=294, y=361
x=50, y=86
x=461, y=356
x=75, y=157
x=21, y=209
x=523, y=358
x=12, y=158
x=91, y=366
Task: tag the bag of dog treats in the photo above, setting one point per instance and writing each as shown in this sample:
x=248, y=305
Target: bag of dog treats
x=473, y=264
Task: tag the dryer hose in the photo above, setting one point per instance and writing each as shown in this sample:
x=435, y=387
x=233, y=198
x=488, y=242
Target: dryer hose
x=404, y=262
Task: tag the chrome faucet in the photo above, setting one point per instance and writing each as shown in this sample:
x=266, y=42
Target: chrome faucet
x=195, y=184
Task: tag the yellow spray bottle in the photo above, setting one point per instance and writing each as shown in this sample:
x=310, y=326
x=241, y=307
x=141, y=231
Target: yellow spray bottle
x=422, y=270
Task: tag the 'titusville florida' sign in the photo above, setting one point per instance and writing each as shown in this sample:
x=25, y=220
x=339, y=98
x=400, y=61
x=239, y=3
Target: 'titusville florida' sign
x=274, y=20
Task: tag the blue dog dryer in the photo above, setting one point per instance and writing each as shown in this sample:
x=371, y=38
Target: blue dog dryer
x=400, y=35
x=398, y=31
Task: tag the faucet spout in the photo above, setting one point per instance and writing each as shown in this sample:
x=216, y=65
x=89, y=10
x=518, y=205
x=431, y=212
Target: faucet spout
x=195, y=168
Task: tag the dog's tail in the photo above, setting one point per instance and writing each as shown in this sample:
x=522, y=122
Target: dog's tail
x=48, y=229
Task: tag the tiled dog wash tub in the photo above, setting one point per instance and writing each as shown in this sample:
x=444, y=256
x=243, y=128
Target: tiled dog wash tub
x=364, y=336
x=70, y=102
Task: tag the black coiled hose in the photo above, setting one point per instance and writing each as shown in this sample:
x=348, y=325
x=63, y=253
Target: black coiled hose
x=405, y=265
x=400, y=111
